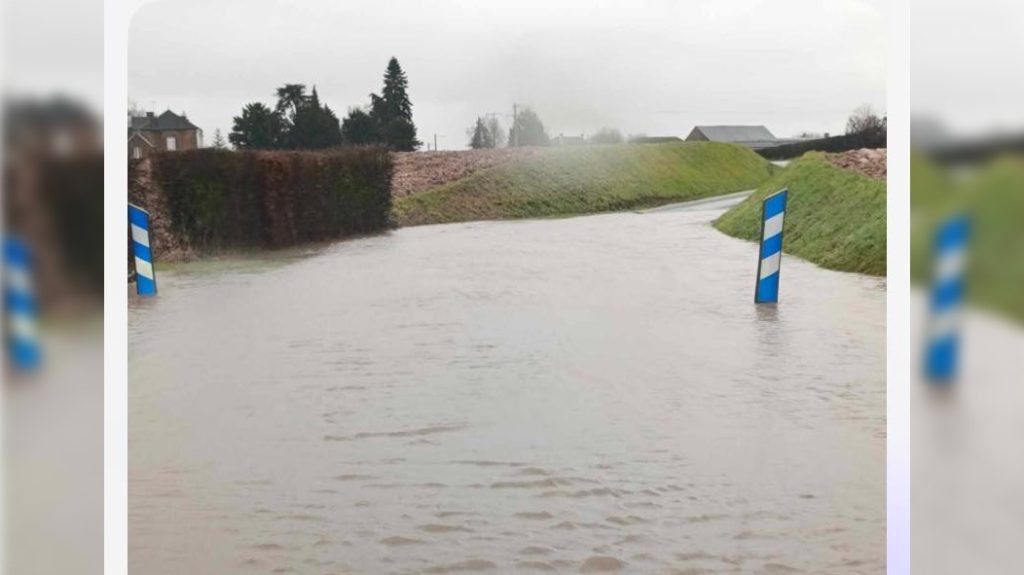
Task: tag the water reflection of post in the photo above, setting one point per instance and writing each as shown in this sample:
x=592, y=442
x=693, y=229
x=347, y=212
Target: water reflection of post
x=768, y=329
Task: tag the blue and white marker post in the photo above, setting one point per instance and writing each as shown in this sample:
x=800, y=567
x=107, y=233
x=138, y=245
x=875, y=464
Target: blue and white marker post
x=773, y=212
x=145, y=277
x=942, y=349
x=22, y=307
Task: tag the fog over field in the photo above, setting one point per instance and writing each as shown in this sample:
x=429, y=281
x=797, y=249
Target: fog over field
x=654, y=67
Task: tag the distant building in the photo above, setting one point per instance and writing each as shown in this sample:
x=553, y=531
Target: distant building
x=755, y=137
x=654, y=139
x=563, y=140
x=167, y=132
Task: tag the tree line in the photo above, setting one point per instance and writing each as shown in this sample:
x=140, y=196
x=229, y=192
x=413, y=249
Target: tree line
x=300, y=122
x=527, y=130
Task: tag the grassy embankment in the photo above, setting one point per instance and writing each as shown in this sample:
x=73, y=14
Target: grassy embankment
x=992, y=195
x=835, y=217
x=588, y=179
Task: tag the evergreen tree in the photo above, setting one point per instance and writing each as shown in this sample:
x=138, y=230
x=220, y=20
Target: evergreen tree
x=528, y=130
x=258, y=128
x=305, y=123
x=359, y=129
x=313, y=127
x=330, y=128
x=481, y=137
x=290, y=98
x=394, y=92
x=392, y=110
x=218, y=140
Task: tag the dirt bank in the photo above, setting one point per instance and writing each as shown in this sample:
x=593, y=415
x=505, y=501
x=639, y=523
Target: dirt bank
x=865, y=161
x=421, y=171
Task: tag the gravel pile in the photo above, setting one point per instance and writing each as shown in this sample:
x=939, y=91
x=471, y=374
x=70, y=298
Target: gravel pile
x=870, y=162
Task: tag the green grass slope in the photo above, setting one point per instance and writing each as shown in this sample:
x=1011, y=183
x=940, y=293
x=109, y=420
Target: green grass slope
x=992, y=196
x=587, y=179
x=835, y=217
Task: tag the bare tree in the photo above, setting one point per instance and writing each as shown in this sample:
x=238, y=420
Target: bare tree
x=864, y=120
x=134, y=110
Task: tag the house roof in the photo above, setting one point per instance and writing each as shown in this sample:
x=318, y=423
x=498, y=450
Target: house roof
x=736, y=133
x=33, y=116
x=166, y=121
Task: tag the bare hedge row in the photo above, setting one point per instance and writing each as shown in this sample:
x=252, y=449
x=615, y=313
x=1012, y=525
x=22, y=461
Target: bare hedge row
x=220, y=199
x=834, y=144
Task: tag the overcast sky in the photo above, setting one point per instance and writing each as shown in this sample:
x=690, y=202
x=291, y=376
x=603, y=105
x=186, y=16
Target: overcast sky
x=52, y=47
x=657, y=67
x=965, y=64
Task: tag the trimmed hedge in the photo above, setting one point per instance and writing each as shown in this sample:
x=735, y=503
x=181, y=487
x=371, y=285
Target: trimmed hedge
x=72, y=193
x=834, y=144
x=222, y=199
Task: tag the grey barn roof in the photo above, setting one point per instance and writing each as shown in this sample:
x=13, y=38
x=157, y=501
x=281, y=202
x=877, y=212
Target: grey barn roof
x=735, y=133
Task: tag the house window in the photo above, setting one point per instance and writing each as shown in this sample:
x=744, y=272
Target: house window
x=136, y=152
x=172, y=143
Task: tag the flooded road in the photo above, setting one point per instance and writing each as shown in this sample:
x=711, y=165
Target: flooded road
x=582, y=394
x=966, y=463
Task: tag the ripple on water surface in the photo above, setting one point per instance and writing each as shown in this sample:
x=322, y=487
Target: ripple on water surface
x=592, y=394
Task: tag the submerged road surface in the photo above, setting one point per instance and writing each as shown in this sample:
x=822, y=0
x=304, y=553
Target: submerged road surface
x=584, y=394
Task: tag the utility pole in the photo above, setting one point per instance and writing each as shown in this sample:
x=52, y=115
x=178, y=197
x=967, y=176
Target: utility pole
x=508, y=142
x=435, y=141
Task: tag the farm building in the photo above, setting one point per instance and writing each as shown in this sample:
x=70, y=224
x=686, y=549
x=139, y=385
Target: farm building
x=755, y=137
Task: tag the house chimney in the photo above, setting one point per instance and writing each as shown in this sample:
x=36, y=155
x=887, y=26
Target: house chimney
x=149, y=114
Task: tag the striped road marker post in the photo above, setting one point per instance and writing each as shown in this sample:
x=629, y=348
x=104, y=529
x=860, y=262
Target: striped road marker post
x=145, y=278
x=947, y=293
x=773, y=211
x=21, y=305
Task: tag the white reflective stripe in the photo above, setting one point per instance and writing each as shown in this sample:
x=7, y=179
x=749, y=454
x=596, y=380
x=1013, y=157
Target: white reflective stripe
x=945, y=324
x=18, y=280
x=23, y=326
x=140, y=235
x=773, y=225
x=770, y=264
x=950, y=264
x=144, y=268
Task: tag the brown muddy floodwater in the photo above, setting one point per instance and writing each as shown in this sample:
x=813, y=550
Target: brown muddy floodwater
x=569, y=395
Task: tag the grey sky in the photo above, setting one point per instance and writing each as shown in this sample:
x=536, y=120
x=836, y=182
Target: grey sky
x=53, y=47
x=965, y=63
x=656, y=67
